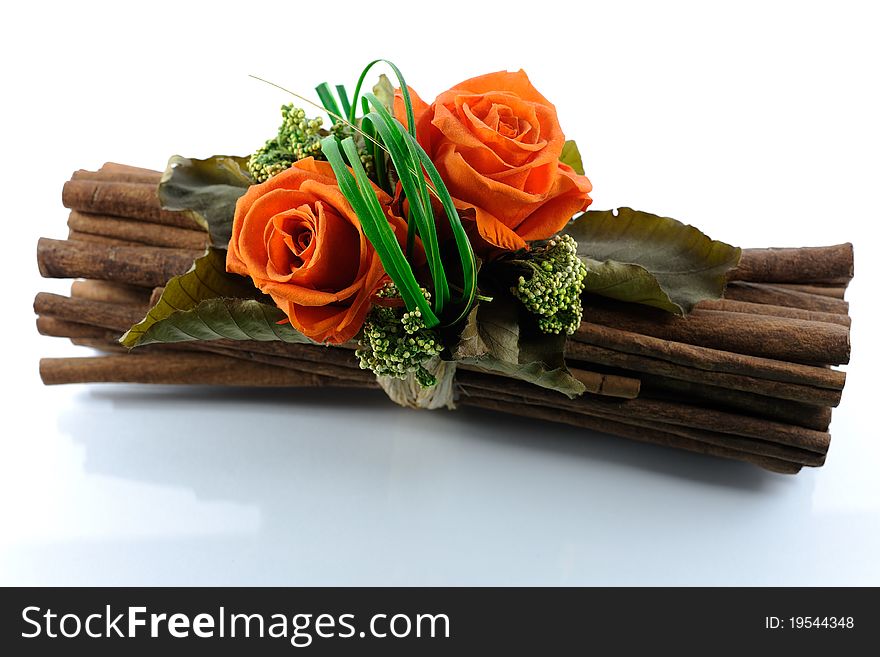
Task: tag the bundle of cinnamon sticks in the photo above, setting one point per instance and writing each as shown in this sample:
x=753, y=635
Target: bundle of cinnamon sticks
x=747, y=377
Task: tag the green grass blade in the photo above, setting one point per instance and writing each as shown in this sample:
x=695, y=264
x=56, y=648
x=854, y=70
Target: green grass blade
x=390, y=244
x=344, y=105
x=363, y=200
x=327, y=100
x=462, y=243
x=404, y=90
x=413, y=183
x=378, y=154
x=427, y=225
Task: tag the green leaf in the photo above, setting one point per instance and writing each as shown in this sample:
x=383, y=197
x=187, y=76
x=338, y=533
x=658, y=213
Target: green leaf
x=642, y=258
x=384, y=91
x=207, y=303
x=499, y=337
x=207, y=190
x=572, y=156
x=626, y=282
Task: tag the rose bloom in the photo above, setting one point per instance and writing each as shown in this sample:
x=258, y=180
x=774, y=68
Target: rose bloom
x=297, y=237
x=496, y=143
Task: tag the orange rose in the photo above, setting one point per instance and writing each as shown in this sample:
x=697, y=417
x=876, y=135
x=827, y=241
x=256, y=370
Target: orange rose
x=300, y=241
x=496, y=143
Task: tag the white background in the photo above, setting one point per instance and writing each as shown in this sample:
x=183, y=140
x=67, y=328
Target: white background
x=757, y=122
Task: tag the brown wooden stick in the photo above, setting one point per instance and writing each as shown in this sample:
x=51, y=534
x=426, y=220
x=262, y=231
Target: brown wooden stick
x=812, y=417
x=831, y=291
x=607, y=385
x=780, y=296
x=661, y=411
x=639, y=434
x=748, y=445
x=110, y=175
x=122, y=199
x=100, y=344
x=712, y=360
x=830, y=264
x=116, y=167
x=283, y=354
x=581, y=352
x=203, y=369
x=736, y=401
x=76, y=236
x=178, y=368
x=146, y=266
x=345, y=367
x=756, y=335
x=340, y=364
x=60, y=328
x=814, y=385
x=733, y=306
x=116, y=317
x=137, y=231
x=108, y=292
x=337, y=362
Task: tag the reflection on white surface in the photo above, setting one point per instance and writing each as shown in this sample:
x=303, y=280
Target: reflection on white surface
x=156, y=485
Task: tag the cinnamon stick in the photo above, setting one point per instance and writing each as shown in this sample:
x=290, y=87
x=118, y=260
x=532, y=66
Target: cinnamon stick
x=116, y=167
x=832, y=291
x=109, y=292
x=111, y=175
x=341, y=363
x=336, y=371
x=748, y=445
x=116, y=317
x=581, y=352
x=806, y=415
x=607, y=385
x=737, y=401
x=345, y=368
x=76, y=236
x=179, y=368
x=137, y=231
x=338, y=362
x=814, y=385
x=781, y=296
x=821, y=264
x=190, y=369
x=122, y=199
x=100, y=344
x=733, y=306
x=713, y=360
x=145, y=266
x=640, y=434
x=60, y=328
x=756, y=335
x=654, y=410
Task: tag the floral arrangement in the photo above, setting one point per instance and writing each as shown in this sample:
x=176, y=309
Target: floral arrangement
x=427, y=232
x=447, y=252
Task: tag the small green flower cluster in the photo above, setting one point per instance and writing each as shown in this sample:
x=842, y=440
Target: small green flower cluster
x=396, y=343
x=297, y=138
x=553, y=291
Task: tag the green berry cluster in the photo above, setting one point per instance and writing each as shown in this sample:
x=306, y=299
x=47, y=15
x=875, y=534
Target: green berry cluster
x=553, y=291
x=396, y=343
x=297, y=138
